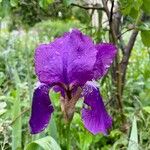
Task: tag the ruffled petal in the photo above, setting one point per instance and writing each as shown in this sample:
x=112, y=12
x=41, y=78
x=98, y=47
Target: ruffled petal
x=82, y=58
x=94, y=115
x=105, y=55
x=67, y=59
x=41, y=109
x=48, y=64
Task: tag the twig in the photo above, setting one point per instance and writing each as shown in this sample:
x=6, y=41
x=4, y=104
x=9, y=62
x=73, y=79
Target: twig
x=111, y=100
x=122, y=44
x=105, y=21
x=124, y=32
x=23, y=112
x=110, y=17
x=111, y=12
x=87, y=7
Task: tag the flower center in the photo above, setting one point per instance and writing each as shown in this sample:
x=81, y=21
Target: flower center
x=69, y=101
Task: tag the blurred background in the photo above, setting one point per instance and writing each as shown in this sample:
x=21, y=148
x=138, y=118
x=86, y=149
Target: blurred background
x=24, y=24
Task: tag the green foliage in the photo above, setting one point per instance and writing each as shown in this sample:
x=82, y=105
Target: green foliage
x=45, y=3
x=14, y=3
x=147, y=109
x=145, y=34
x=46, y=143
x=146, y=6
x=68, y=2
x=51, y=29
x=2, y=108
x=17, y=78
x=4, y=8
x=16, y=110
x=28, y=13
x=128, y=6
x=133, y=140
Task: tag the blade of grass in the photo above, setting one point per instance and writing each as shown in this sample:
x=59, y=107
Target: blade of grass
x=26, y=49
x=17, y=125
x=53, y=128
x=27, y=52
x=133, y=140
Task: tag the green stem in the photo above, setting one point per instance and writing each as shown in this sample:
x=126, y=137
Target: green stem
x=68, y=136
x=28, y=67
x=17, y=125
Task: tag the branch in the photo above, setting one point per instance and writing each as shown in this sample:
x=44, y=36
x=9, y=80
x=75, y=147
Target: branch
x=122, y=44
x=124, y=32
x=117, y=27
x=110, y=18
x=105, y=7
x=87, y=7
x=129, y=47
x=111, y=12
x=114, y=22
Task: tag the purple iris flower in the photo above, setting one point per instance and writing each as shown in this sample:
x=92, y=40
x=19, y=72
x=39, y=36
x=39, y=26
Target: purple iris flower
x=69, y=65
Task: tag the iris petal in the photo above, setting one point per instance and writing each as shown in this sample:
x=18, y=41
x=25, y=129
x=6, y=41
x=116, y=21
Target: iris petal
x=67, y=59
x=48, y=64
x=82, y=58
x=105, y=55
x=41, y=109
x=94, y=115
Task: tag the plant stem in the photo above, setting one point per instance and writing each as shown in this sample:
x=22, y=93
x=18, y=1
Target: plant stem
x=68, y=136
x=28, y=67
x=17, y=125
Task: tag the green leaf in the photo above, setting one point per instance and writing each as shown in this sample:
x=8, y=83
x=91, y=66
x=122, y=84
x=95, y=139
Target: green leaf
x=146, y=6
x=68, y=2
x=133, y=140
x=50, y=1
x=13, y=3
x=4, y=8
x=46, y=143
x=128, y=5
x=147, y=109
x=145, y=34
x=55, y=98
x=137, y=4
x=2, y=111
x=133, y=13
x=53, y=128
x=44, y=3
x=144, y=26
x=2, y=108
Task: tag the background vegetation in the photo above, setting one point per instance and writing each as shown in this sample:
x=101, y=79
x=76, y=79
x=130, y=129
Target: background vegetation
x=24, y=24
